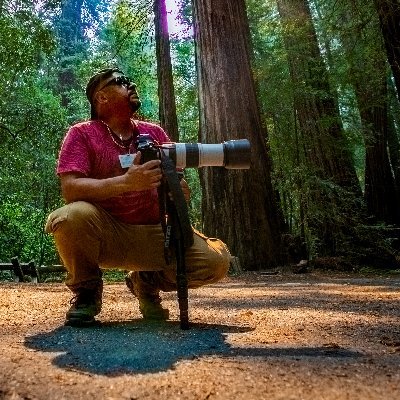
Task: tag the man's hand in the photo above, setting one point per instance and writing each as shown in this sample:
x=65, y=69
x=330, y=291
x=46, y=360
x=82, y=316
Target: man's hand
x=186, y=190
x=143, y=176
x=76, y=186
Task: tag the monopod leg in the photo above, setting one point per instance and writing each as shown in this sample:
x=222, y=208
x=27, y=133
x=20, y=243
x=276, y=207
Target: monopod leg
x=182, y=287
x=181, y=279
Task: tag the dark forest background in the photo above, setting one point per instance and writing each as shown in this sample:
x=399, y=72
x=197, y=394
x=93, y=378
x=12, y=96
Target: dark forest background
x=314, y=85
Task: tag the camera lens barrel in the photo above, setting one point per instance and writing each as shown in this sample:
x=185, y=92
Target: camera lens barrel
x=233, y=154
x=237, y=154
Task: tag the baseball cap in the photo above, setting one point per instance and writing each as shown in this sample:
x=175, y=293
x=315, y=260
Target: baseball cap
x=94, y=83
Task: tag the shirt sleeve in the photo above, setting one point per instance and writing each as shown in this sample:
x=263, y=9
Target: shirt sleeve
x=74, y=154
x=164, y=137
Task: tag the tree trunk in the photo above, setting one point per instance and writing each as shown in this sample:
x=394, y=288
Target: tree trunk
x=332, y=177
x=380, y=188
x=70, y=34
x=368, y=74
x=166, y=94
x=238, y=206
x=393, y=137
x=389, y=17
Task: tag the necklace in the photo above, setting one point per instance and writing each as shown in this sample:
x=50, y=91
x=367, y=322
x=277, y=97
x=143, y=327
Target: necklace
x=121, y=145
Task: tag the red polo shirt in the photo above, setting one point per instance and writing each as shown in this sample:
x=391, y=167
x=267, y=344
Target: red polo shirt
x=89, y=149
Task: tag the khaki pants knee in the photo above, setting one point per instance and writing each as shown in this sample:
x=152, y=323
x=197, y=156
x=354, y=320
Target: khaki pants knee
x=88, y=238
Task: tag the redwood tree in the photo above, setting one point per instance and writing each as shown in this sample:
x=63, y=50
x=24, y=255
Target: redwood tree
x=166, y=94
x=332, y=183
x=389, y=16
x=70, y=29
x=238, y=206
x=368, y=74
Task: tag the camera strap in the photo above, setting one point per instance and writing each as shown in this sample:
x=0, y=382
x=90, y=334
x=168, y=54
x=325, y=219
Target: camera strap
x=179, y=204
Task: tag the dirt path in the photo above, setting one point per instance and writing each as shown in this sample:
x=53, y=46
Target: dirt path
x=256, y=336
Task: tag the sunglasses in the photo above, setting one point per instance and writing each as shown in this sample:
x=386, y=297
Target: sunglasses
x=120, y=81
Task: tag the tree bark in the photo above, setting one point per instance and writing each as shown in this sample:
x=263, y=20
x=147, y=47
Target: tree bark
x=389, y=17
x=240, y=207
x=166, y=93
x=380, y=189
x=393, y=137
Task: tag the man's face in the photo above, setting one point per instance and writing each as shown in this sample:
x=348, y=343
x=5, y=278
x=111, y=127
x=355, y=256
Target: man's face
x=121, y=91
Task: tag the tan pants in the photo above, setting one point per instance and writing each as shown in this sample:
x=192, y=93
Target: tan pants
x=88, y=238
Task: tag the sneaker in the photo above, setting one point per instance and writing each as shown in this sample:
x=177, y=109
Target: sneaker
x=149, y=300
x=85, y=305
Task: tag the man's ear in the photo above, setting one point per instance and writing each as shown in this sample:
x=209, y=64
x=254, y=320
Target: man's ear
x=101, y=97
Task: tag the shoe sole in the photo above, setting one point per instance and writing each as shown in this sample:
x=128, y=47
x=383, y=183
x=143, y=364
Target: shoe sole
x=155, y=317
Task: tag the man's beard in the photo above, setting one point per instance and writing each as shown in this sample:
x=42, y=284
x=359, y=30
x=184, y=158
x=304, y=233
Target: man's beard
x=135, y=105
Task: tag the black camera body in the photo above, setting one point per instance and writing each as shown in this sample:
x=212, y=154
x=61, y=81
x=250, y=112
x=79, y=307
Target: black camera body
x=148, y=149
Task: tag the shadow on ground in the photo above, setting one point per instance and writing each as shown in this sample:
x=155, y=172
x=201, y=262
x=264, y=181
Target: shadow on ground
x=116, y=348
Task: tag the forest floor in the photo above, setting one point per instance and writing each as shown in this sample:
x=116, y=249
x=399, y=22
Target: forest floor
x=253, y=336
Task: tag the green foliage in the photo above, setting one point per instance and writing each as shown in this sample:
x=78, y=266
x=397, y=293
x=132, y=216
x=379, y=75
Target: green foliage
x=25, y=39
x=185, y=88
x=31, y=126
x=113, y=275
x=28, y=186
x=192, y=178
